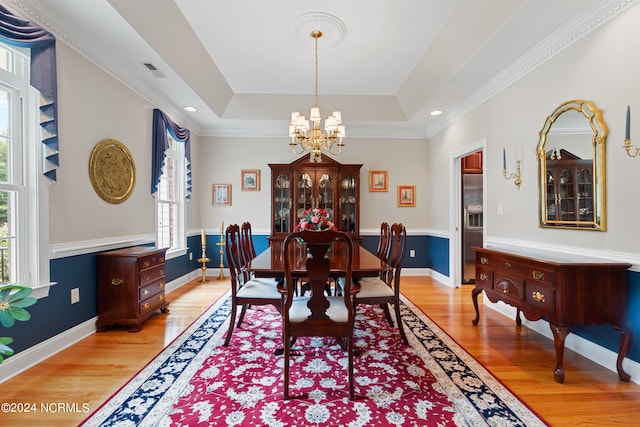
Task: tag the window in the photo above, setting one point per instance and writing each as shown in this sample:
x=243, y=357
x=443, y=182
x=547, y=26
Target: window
x=170, y=199
x=23, y=190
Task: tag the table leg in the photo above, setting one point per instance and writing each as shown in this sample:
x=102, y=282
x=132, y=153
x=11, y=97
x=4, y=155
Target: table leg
x=559, y=335
x=474, y=297
x=625, y=344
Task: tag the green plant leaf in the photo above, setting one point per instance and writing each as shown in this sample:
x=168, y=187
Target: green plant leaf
x=23, y=303
x=6, y=318
x=19, y=314
x=4, y=349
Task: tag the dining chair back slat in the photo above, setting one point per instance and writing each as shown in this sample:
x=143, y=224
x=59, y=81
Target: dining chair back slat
x=320, y=314
x=386, y=290
x=245, y=290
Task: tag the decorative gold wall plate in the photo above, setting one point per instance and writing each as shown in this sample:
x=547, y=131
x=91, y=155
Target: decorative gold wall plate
x=112, y=171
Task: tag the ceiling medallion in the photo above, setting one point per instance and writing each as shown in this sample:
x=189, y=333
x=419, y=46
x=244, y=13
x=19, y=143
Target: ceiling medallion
x=112, y=171
x=332, y=28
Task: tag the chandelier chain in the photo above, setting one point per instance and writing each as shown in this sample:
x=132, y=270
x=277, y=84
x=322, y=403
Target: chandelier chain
x=316, y=36
x=312, y=138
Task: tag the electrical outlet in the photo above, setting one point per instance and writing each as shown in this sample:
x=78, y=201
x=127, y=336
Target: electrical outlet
x=75, y=295
x=412, y=253
x=499, y=209
x=190, y=256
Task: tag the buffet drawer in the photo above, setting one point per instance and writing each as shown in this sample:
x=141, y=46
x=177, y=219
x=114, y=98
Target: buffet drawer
x=151, y=275
x=541, y=297
x=509, y=286
x=151, y=304
x=484, y=277
x=152, y=289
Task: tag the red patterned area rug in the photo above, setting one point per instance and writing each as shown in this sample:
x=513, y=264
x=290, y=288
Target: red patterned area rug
x=197, y=382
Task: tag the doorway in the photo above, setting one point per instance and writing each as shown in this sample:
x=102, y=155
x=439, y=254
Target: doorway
x=472, y=215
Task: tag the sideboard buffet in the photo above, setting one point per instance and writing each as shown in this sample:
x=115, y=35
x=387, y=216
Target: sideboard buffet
x=563, y=289
x=131, y=284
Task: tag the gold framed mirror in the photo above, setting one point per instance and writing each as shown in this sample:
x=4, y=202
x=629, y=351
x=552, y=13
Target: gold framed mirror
x=571, y=168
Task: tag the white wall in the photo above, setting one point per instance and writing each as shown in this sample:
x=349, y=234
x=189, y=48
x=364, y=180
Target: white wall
x=94, y=106
x=220, y=161
x=602, y=68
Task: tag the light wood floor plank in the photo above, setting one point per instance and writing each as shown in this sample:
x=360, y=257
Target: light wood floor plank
x=93, y=369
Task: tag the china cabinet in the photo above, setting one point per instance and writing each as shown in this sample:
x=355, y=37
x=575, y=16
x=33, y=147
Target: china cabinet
x=302, y=185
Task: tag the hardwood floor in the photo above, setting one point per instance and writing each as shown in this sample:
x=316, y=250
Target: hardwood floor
x=76, y=381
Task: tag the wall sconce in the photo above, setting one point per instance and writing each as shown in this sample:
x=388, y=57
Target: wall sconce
x=507, y=175
x=627, y=136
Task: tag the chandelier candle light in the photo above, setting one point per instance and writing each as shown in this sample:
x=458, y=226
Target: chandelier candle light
x=314, y=139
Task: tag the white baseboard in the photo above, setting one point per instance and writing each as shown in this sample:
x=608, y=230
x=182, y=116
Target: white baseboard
x=601, y=355
x=24, y=360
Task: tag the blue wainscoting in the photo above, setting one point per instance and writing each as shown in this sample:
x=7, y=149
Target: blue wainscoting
x=55, y=314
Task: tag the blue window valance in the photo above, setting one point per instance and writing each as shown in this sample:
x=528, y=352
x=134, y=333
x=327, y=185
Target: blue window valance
x=19, y=32
x=161, y=125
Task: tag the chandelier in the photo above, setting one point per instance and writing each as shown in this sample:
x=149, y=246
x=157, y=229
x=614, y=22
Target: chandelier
x=314, y=139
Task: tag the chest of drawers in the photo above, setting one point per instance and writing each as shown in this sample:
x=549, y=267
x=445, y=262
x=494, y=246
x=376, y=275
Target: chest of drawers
x=564, y=290
x=131, y=285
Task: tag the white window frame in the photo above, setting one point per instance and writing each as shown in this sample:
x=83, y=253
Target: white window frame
x=176, y=153
x=30, y=183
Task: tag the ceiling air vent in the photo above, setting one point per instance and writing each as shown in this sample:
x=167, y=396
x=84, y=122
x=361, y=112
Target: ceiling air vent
x=153, y=69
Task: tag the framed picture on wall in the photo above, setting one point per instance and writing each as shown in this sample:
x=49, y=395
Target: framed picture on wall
x=221, y=194
x=406, y=195
x=250, y=180
x=378, y=180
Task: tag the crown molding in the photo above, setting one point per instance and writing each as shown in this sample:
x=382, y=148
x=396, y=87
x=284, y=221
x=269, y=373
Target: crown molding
x=572, y=32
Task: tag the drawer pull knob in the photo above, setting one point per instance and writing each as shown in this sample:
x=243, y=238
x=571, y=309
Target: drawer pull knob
x=145, y=305
x=161, y=273
x=538, y=275
x=145, y=278
x=483, y=276
x=146, y=264
x=161, y=297
x=146, y=292
x=537, y=296
x=161, y=285
x=505, y=291
x=117, y=282
x=484, y=260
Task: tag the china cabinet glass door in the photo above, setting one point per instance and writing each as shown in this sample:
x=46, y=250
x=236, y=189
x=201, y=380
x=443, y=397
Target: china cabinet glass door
x=282, y=203
x=325, y=198
x=348, y=201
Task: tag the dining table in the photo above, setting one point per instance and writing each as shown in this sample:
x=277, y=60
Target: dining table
x=270, y=263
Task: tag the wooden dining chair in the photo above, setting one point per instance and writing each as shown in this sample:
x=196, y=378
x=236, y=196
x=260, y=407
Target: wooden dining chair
x=245, y=290
x=383, y=241
x=319, y=314
x=248, y=247
x=383, y=291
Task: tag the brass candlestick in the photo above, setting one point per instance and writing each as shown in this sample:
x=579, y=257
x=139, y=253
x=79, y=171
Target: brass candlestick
x=516, y=175
x=204, y=260
x=221, y=244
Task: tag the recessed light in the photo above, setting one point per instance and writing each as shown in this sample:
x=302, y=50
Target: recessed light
x=436, y=112
x=190, y=109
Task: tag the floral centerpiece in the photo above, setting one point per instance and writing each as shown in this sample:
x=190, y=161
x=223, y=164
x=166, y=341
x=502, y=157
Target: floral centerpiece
x=315, y=219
